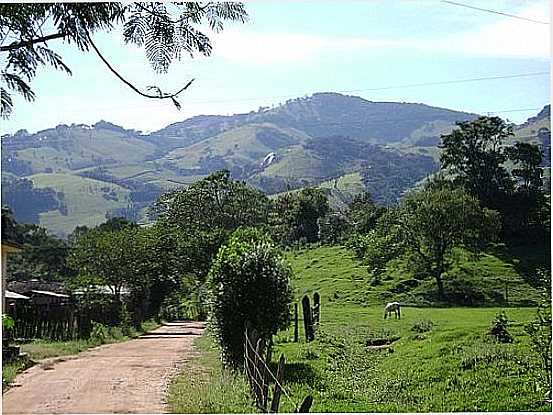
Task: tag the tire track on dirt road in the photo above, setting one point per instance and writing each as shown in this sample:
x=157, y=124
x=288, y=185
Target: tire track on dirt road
x=128, y=377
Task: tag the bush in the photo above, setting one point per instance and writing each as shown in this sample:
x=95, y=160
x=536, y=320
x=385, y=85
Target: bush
x=249, y=283
x=99, y=332
x=539, y=331
x=422, y=326
x=499, y=329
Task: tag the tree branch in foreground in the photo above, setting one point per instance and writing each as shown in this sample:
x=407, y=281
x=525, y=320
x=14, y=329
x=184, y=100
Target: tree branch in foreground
x=160, y=94
x=31, y=42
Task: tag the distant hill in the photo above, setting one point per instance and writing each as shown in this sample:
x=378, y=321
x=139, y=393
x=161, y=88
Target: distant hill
x=81, y=174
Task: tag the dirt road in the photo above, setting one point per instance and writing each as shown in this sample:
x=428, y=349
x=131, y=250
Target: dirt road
x=129, y=377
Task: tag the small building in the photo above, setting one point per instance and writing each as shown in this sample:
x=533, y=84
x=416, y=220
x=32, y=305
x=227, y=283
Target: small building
x=47, y=298
x=14, y=300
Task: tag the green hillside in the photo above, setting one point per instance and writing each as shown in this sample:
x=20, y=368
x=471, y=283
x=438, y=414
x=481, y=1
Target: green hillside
x=433, y=359
x=86, y=200
x=342, y=279
x=327, y=139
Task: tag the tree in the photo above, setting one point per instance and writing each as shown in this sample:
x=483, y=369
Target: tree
x=165, y=30
x=109, y=258
x=249, y=284
x=363, y=213
x=43, y=256
x=527, y=171
x=525, y=211
x=474, y=153
x=203, y=215
x=435, y=220
x=296, y=215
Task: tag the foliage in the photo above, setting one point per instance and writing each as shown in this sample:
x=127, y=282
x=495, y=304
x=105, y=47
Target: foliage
x=436, y=220
x=7, y=322
x=205, y=213
x=295, y=216
x=43, y=255
x=477, y=153
x=499, y=329
x=539, y=331
x=165, y=30
x=363, y=213
x=333, y=228
x=249, y=283
x=99, y=332
x=422, y=326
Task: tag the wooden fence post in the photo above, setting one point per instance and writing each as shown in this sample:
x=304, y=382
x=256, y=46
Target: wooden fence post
x=306, y=405
x=277, y=389
x=316, y=308
x=296, y=331
x=307, y=319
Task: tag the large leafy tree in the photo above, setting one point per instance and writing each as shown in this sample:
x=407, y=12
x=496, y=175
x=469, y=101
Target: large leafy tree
x=502, y=176
x=107, y=257
x=427, y=225
x=203, y=215
x=296, y=215
x=165, y=30
x=474, y=153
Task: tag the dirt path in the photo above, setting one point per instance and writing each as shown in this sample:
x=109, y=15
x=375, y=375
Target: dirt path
x=129, y=377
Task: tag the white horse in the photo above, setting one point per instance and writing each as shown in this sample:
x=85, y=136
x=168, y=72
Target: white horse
x=392, y=307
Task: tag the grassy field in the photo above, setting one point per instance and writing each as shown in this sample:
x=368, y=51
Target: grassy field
x=44, y=349
x=439, y=359
x=87, y=200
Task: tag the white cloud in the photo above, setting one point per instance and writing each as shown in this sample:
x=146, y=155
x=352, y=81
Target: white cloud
x=508, y=37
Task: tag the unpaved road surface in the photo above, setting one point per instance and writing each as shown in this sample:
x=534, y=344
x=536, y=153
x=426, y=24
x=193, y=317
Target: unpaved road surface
x=129, y=377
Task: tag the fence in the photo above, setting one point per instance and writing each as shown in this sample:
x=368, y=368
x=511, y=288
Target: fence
x=311, y=317
x=60, y=322
x=256, y=361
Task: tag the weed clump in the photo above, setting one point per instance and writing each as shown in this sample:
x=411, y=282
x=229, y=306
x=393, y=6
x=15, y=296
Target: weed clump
x=422, y=326
x=499, y=329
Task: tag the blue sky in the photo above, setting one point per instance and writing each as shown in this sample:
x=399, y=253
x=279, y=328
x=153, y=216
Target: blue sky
x=291, y=49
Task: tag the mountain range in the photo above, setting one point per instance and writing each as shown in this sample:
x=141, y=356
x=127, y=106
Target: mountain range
x=81, y=174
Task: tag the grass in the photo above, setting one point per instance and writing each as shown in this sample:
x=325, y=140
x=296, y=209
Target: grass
x=84, y=197
x=204, y=386
x=437, y=359
x=39, y=349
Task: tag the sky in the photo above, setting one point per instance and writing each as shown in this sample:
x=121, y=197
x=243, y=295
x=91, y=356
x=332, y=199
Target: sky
x=373, y=49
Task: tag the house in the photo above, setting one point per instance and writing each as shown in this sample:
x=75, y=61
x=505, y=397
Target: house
x=8, y=248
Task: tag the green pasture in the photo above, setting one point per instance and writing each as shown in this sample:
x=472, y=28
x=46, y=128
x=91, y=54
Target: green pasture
x=439, y=359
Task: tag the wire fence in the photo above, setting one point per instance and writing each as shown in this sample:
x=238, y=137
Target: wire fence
x=260, y=376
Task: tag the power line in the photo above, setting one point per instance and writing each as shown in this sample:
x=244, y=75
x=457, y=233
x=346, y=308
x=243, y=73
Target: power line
x=454, y=81
x=493, y=11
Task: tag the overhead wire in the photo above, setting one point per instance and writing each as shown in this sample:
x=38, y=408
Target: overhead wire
x=468, y=6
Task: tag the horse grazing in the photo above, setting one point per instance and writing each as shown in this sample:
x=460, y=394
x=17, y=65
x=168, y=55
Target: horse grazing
x=392, y=307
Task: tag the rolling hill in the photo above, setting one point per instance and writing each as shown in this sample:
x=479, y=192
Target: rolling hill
x=80, y=174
